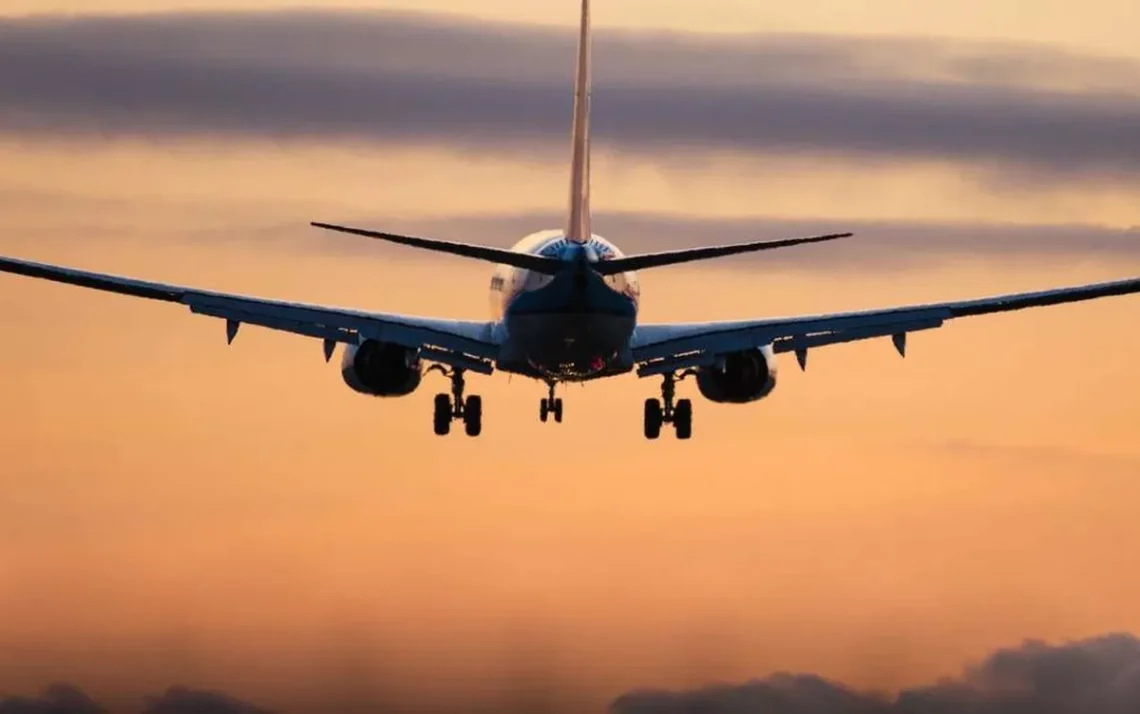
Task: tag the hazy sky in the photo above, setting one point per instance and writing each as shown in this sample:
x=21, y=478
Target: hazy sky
x=174, y=510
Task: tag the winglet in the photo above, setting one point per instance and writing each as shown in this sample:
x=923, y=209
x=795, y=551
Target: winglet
x=578, y=228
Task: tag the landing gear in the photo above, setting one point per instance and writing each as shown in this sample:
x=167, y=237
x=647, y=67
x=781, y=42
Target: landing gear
x=442, y=417
x=473, y=415
x=664, y=411
x=653, y=418
x=551, y=405
x=449, y=407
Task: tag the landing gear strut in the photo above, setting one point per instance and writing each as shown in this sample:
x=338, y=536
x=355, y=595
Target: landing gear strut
x=664, y=411
x=550, y=405
x=449, y=407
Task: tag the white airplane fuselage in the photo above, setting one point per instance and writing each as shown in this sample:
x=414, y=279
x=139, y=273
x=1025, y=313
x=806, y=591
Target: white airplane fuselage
x=572, y=326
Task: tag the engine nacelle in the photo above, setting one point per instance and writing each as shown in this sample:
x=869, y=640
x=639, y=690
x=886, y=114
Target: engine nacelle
x=381, y=369
x=741, y=378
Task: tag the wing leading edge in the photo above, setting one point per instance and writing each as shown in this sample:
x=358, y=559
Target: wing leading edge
x=471, y=344
x=666, y=347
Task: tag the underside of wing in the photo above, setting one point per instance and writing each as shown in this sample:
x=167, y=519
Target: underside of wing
x=666, y=347
x=470, y=344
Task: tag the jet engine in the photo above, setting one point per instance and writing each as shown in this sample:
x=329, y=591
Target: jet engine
x=381, y=369
x=741, y=377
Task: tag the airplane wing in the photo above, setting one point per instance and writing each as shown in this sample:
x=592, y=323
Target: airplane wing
x=472, y=345
x=660, y=349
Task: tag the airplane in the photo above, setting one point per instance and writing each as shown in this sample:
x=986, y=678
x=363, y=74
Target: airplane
x=565, y=310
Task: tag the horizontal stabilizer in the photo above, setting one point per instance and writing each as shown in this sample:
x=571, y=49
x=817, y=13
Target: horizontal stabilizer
x=526, y=261
x=688, y=255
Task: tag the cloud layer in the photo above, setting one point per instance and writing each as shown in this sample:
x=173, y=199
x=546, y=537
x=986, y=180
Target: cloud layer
x=69, y=699
x=1094, y=676
x=428, y=79
x=55, y=699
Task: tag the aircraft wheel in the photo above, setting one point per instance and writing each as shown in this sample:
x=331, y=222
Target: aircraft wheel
x=653, y=418
x=558, y=410
x=441, y=419
x=473, y=415
x=544, y=410
x=683, y=418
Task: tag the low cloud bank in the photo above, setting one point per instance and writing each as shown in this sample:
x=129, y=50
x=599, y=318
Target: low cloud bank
x=1094, y=676
x=55, y=699
x=69, y=699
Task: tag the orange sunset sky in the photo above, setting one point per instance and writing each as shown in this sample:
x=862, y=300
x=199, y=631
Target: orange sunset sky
x=173, y=511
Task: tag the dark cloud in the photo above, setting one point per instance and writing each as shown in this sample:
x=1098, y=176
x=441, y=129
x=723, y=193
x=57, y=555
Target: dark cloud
x=179, y=700
x=877, y=245
x=69, y=699
x=1096, y=676
x=418, y=78
x=55, y=699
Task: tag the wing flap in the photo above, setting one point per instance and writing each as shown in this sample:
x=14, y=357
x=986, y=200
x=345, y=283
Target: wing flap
x=836, y=337
x=248, y=317
x=472, y=338
x=660, y=341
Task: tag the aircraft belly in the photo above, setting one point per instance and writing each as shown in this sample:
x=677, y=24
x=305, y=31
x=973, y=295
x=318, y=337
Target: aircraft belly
x=568, y=332
x=572, y=347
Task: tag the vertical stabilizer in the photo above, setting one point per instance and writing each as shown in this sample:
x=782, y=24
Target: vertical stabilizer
x=578, y=229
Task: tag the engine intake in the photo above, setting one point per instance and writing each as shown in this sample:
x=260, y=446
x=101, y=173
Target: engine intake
x=381, y=369
x=743, y=377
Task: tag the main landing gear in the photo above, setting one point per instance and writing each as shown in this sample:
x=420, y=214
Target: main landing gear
x=449, y=407
x=550, y=406
x=664, y=411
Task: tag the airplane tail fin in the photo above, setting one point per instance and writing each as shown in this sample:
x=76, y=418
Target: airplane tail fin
x=578, y=228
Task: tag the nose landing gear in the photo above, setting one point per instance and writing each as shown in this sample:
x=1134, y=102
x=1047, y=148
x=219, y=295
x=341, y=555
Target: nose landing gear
x=450, y=407
x=663, y=411
x=550, y=406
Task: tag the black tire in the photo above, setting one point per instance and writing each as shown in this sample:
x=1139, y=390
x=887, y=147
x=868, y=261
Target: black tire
x=653, y=418
x=558, y=410
x=441, y=420
x=683, y=419
x=473, y=415
x=543, y=410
